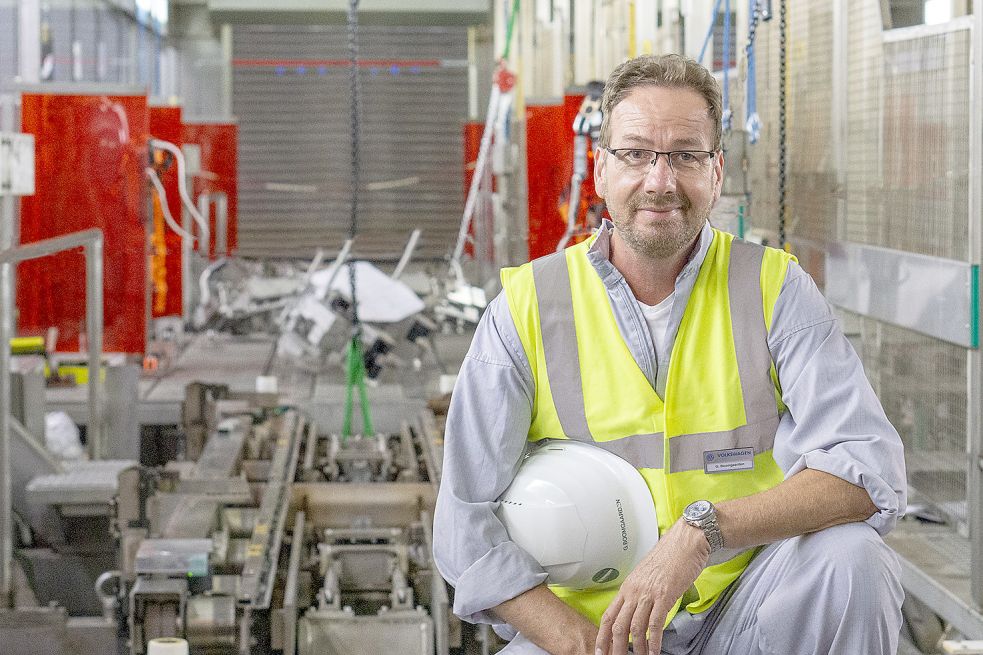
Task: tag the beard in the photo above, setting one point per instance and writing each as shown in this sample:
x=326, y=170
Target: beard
x=667, y=238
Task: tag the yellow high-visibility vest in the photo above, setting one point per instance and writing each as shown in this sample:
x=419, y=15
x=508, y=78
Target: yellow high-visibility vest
x=721, y=399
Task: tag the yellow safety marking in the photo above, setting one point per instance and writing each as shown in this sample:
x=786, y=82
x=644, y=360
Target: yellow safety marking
x=255, y=550
x=261, y=528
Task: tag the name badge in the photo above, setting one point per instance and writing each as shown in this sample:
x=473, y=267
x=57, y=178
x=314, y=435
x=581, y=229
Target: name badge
x=725, y=461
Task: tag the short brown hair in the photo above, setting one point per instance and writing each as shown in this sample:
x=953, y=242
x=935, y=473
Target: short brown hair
x=672, y=71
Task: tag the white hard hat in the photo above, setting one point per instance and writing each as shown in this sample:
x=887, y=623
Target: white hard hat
x=584, y=514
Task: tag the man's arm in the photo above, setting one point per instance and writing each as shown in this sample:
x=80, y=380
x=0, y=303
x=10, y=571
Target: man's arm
x=485, y=437
x=842, y=458
x=808, y=501
x=548, y=622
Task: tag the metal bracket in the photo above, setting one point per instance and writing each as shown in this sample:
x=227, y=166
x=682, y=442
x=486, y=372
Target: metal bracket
x=16, y=164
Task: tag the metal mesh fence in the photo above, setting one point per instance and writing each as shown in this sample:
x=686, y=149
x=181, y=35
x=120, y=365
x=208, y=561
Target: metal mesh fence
x=921, y=382
x=812, y=174
x=905, y=187
x=924, y=202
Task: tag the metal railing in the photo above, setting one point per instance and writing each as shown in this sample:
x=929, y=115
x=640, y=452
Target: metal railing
x=92, y=242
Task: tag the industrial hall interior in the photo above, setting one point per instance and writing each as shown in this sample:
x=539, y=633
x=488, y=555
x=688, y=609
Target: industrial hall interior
x=462, y=327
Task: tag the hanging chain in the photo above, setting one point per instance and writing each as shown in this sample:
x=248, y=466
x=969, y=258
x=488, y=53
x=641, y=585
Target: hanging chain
x=353, y=226
x=752, y=29
x=782, y=135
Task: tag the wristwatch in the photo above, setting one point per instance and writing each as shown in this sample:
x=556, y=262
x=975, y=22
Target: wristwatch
x=702, y=514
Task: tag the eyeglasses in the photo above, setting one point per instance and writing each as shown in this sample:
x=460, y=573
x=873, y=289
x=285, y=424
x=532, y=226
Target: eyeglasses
x=681, y=162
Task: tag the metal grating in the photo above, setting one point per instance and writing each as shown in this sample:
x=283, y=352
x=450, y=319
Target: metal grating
x=291, y=97
x=921, y=382
x=925, y=203
x=812, y=174
x=906, y=188
x=863, y=153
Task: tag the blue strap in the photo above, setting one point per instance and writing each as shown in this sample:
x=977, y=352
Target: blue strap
x=726, y=118
x=713, y=21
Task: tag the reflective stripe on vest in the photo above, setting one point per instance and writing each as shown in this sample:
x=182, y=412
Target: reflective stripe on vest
x=553, y=295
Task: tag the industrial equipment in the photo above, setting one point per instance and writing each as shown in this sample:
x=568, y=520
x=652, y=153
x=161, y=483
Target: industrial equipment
x=272, y=535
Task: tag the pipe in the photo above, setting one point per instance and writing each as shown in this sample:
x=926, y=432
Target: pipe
x=221, y=202
x=7, y=222
x=479, y=169
x=221, y=224
x=182, y=187
x=6, y=493
x=407, y=253
x=164, y=207
x=10, y=255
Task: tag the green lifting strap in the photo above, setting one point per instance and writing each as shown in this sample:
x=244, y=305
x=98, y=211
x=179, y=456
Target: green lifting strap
x=356, y=377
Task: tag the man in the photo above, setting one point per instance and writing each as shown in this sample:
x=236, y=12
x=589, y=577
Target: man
x=717, y=369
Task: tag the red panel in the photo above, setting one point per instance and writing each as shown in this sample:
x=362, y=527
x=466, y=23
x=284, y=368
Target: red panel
x=472, y=144
x=90, y=154
x=588, y=195
x=549, y=162
x=165, y=124
x=549, y=158
x=220, y=164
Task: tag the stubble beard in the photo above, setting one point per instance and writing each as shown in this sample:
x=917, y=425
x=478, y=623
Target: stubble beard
x=670, y=237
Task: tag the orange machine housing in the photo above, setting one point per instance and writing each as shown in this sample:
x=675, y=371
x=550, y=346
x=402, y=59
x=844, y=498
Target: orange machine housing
x=219, y=144
x=165, y=124
x=90, y=155
x=549, y=166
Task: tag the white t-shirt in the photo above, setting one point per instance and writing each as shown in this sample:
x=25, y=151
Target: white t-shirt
x=657, y=317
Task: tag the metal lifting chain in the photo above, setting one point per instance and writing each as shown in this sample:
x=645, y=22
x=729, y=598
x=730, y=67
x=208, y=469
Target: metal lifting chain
x=782, y=134
x=353, y=226
x=356, y=356
x=752, y=28
x=752, y=123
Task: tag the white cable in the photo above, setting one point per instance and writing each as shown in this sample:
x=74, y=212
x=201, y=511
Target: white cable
x=164, y=206
x=204, y=295
x=182, y=189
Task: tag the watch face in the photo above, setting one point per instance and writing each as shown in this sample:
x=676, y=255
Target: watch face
x=697, y=511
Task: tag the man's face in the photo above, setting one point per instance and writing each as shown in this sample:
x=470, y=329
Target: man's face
x=656, y=211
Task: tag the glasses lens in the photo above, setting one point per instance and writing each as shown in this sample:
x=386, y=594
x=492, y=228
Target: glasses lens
x=686, y=161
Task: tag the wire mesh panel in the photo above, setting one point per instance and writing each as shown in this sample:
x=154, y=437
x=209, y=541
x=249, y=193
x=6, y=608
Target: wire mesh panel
x=812, y=176
x=921, y=382
x=924, y=206
x=291, y=96
x=907, y=189
x=863, y=152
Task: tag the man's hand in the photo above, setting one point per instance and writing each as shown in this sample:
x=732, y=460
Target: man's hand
x=650, y=591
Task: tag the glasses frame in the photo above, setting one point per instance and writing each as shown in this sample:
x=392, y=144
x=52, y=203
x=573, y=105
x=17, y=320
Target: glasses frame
x=656, y=153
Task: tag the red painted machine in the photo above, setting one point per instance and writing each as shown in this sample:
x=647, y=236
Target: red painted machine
x=91, y=155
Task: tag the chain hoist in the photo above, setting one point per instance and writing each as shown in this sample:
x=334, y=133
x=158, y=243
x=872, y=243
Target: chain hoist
x=753, y=122
x=356, y=358
x=782, y=131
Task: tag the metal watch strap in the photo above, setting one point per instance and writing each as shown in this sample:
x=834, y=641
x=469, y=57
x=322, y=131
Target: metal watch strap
x=713, y=534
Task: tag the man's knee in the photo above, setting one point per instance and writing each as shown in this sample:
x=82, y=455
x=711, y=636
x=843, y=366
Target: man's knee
x=841, y=588
x=852, y=561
